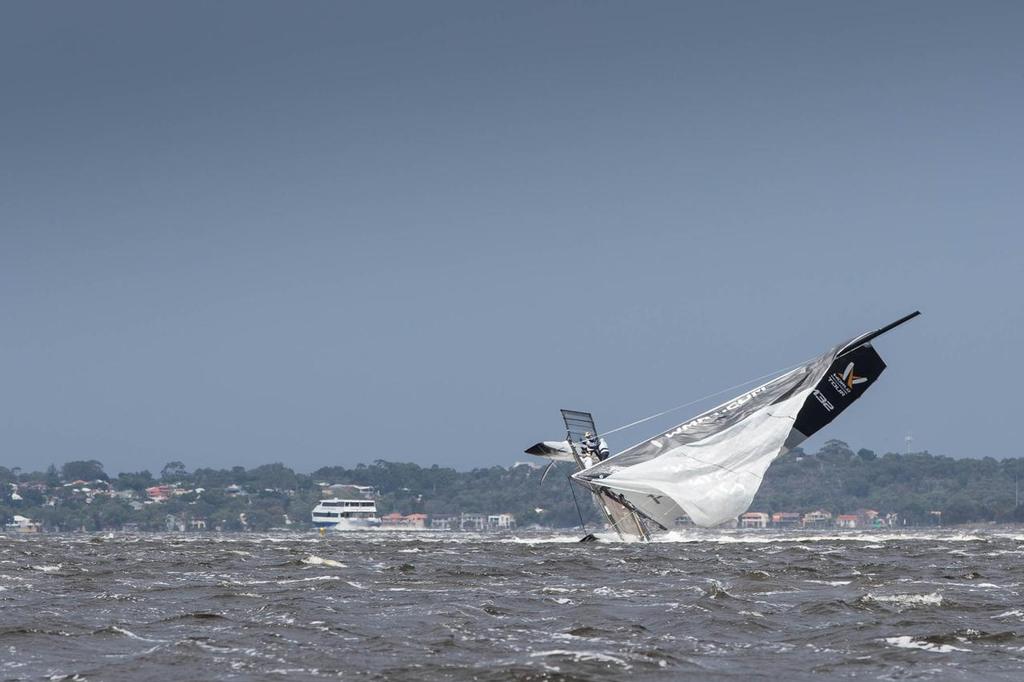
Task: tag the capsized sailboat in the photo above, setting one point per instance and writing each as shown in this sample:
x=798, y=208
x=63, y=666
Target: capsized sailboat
x=710, y=467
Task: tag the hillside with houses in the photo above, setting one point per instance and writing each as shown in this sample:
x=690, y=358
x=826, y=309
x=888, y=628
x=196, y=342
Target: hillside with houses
x=832, y=488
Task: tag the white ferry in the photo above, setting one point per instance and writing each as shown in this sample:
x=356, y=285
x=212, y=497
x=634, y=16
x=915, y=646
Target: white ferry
x=339, y=514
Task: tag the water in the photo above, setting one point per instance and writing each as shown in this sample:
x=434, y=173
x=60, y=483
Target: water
x=935, y=605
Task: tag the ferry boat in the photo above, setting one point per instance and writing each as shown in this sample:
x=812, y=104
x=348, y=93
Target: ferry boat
x=338, y=514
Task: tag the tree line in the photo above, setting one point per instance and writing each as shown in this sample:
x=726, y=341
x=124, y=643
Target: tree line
x=834, y=479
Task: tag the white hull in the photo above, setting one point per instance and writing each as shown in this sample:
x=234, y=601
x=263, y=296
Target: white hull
x=352, y=524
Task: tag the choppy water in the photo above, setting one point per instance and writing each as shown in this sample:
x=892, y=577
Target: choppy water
x=943, y=605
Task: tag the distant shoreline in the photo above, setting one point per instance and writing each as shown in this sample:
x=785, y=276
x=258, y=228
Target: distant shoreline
x=915, y=490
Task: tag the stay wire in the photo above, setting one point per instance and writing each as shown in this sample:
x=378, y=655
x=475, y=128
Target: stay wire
x=780, y=372
x=578, y=510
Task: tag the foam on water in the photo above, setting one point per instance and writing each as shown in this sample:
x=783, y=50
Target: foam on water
x=906, y=600
x=583, y=655
x=314, y=560
x=908, y=642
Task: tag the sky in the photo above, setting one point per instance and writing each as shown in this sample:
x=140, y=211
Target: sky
x=326, y=233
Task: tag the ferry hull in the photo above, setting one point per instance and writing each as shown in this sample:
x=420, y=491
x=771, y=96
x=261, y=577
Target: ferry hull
x=349, y=524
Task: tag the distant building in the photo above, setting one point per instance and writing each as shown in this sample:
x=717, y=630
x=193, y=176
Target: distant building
x=233, y=490
x=444, y=522
x=472, y=522
x=754, y=520
x=817, y=519
x=786, y=520
x=848, y=521
x=159, y=493
x=501, y=522
x=23, y=524
x=416, y=521
x=410, y=521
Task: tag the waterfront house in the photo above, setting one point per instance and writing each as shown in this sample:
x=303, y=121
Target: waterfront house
x=416, y=520
x=785, y=520
x=23, y=524
x=848, y=521
x=472, y=521
x=754, y=520
x=444, y=522
x=501, y=521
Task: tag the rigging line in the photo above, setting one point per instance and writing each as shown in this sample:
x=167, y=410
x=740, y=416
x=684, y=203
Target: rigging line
x=698, y=400
x=578, y=510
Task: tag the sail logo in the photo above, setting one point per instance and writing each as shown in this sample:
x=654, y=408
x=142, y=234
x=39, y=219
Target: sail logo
x=720, y=413
x=844, y=383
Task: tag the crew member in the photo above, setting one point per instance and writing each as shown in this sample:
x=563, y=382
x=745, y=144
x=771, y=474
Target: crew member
x=595, y=446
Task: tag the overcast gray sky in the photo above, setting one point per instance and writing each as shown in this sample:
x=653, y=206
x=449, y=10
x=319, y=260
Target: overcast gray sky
x=333, y=232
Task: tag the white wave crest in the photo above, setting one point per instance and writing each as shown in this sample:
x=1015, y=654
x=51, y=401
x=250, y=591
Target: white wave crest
x=314, y=560
x=579, y=656
x=1015, y=613
x=902, y=601
x=908, y=642
x=132, y=635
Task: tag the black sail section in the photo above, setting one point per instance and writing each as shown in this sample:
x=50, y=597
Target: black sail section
x=846, y=380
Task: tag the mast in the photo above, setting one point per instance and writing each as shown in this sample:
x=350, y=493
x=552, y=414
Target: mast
x=870, y=336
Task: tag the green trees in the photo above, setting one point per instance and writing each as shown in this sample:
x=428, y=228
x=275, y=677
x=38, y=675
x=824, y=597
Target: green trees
x=912, y=485
x=137, y=481
x=834, y=478
x=867, y=455
x=274, y=476
x=8, y=475
x=101, y=514
x=84, y=470
x=173, y=472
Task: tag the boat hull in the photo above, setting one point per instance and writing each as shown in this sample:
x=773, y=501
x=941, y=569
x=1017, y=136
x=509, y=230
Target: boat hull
x=349, y=524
